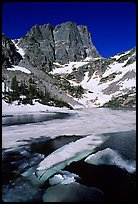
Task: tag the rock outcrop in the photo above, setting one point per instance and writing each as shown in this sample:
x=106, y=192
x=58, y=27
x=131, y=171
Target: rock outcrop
x=10, y=56
x=39, y=46
x=73, y=43
x=87, y=42
x=66, y=42
x=73, y=192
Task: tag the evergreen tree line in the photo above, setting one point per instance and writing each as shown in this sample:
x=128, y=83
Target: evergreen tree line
x=25, y=92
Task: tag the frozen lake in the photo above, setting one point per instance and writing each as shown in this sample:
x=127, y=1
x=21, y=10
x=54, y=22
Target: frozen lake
x=78, y=122
x=93, y=147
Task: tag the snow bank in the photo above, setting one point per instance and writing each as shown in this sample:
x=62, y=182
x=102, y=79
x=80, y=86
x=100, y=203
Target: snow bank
x=18, y=68
x=20, y=50
x=68, y=68
x=15, y=109
x=127, y=83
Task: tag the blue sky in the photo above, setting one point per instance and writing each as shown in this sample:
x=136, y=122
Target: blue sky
x=112, y=24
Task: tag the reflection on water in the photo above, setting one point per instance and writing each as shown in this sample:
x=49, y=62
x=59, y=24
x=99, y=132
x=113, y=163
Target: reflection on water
x=31, y=118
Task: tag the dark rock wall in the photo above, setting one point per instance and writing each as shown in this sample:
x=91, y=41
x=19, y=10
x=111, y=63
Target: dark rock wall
x=66, y=42
x=9, y=54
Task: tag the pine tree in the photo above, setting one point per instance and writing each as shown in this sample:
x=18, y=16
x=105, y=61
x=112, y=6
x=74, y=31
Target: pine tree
x=15, y=88
x=23, y=88
x=30, y=80
x=14, y=84
x=32, y=90
x=47, y=95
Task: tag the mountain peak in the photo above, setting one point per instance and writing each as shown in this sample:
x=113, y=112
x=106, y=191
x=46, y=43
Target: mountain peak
x=63, y=43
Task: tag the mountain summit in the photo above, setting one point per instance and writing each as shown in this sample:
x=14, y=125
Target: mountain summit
x=66, y=42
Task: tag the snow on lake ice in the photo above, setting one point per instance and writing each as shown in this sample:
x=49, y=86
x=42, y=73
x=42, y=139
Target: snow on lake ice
x=88, y=123
x=70, y=150
x=81, y=122
x=65, y=178
x=111, y=157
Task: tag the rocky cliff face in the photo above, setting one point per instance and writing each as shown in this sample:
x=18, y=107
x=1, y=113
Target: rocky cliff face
x=39, y=47
x=64, y=61
x=10, y=55
x=73, y=43
x=66, y=42
x=90, y=49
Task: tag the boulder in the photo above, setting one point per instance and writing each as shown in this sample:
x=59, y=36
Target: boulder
x=73, y=192
x=22, y=191
x=10, y=56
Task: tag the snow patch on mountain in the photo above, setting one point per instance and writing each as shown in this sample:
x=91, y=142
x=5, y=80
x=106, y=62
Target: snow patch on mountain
x=18, y=68
x=117, y=79
x=98, y=97
x=88, y=59
x=19, y=49
x=68, y=68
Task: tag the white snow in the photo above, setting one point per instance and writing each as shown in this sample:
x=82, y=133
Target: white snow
x=68, y=181
x=97, y=98
x=82, y=122
x=69, y=151
x=67, y=69
x=111, y=157
x=117, y=56
x=94, y=97
x=57, y=63
x=90, y=83
x=22, y=97
x=3, y=87
x=127, y=83
x=15, y=109
x=7, y=88
x=65, y=178
x=114, y=68
x=20, y=50
x=133, y=94
x=89, y=59
x=56, y=179
x=18, y=68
